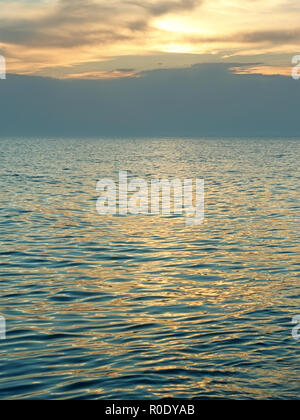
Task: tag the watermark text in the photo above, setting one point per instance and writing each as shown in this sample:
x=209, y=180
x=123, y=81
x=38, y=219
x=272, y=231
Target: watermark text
x=2, y=68
x=154, y=197
x=296, y=68
x=2, y=328
x=296, y=329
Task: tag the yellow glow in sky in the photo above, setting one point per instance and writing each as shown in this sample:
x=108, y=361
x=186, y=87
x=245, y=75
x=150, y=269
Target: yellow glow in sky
x=180, y=25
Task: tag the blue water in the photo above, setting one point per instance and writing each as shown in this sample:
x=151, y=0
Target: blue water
x=145, y=306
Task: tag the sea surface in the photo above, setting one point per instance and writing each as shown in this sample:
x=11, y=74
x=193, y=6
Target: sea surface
x=145, y=307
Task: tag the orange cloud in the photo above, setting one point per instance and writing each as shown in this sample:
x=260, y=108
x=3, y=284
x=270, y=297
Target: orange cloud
x=264, y=70
x=104, y=75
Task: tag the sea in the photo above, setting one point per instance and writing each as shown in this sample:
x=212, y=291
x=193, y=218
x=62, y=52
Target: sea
x=145, y=306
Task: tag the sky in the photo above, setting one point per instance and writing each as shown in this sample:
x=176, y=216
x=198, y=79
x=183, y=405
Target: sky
x=112, y=39
x=142, y=68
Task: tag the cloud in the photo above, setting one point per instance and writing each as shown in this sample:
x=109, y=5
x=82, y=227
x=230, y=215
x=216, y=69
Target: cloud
x=255, y=37
x=264, y=70
x=104, y=75
x=78, y=22
x=69, y=24
x=274, y=37
x=203, y=100
x=160, y=8
x=41, y=36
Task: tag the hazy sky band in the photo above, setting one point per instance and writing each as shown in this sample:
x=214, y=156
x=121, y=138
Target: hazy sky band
x=67, y=38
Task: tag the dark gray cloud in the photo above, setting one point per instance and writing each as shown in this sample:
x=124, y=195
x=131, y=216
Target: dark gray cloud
x=72, y=23
x=163, y=7
x=38, y=36
x=279, y=36
x=204, y=100
x=274, y=37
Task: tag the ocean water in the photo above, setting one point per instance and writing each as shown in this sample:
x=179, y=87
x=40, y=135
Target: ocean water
x=145, y=307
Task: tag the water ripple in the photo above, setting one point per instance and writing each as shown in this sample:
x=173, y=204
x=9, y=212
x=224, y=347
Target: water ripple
x=145, y=307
